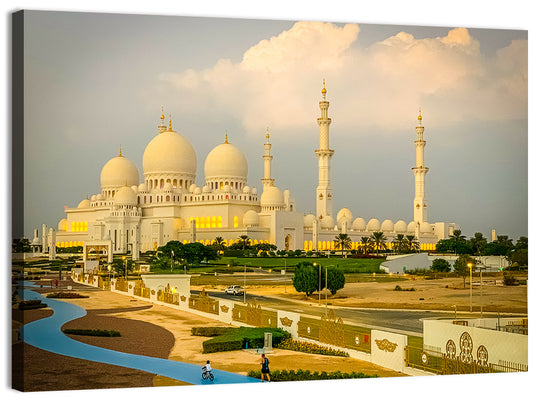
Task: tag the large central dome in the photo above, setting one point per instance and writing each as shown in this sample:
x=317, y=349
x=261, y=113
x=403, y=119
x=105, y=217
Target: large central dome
x=225, y=161
x=169, y=153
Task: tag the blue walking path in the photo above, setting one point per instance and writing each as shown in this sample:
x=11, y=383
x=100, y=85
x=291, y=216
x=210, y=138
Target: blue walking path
x=46, y=334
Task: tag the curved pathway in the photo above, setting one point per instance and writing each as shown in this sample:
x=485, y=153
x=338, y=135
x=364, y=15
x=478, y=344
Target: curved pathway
x=46, y=334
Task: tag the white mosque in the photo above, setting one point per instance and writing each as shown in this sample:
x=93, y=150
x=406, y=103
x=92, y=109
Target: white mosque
x=133, y=216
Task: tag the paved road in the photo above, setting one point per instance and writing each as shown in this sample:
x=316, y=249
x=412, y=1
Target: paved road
x=390, y=319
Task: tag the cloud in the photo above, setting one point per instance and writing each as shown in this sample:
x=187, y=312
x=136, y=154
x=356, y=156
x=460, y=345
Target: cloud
x=278, y=81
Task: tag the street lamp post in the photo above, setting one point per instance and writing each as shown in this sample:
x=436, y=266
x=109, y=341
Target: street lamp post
x=470, y=267
x=244, y=297
x=109, y=270
x=285, y=260
x=319, y=280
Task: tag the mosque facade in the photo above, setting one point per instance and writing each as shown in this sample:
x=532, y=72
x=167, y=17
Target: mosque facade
x=134, y=216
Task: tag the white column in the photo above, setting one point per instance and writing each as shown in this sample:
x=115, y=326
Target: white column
x=420, y=171
x=267, y=159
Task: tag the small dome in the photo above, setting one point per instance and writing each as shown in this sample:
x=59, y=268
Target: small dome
x=62, y=225
x=359, y=224
x=125, y=196
x=206, y=189
x=411, y=227
x=142, y=188
x=227, y=189
x=117, y=172
x=387, y=226
x=250, y=218
x=272, y=197
x=246, y=190
x=344, y=216
x=254, y=191
x=225, y=160
x=167, y=186
x=426, y=228
x=327, y=222
x=197, y=190
x=93, y=197
x=135, y=189
x=84, y=204
x=308, y=220
x=400, y=226
x=100, y=197
x=192, y=187
x=373, y=225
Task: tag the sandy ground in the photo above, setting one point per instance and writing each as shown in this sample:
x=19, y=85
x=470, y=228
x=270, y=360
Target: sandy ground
x=159, y=331
x=439, y=294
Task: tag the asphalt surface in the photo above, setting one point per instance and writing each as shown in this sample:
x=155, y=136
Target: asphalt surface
x=410, y=321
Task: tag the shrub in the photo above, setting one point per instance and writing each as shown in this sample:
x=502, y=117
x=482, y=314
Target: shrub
x=237, y=338
x=509, y=279
x=309, y=347
x=68, y=295
x=305, y=375
x=398, y=288
x=93, y=333
x=210, y=331
x=33, y=304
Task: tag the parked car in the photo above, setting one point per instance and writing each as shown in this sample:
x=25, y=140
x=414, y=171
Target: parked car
x=234, y=290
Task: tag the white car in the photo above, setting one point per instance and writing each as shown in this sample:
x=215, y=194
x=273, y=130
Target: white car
x=234, y=290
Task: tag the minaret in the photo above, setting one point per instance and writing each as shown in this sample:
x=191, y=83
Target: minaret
x=324, y=195
x=161, y=128
x=267, y=158
x=420, y=205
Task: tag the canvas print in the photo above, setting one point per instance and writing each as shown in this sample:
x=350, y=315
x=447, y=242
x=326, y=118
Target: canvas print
x=205, y=201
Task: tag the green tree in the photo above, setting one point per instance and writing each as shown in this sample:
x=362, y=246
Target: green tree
x=503, y=246
x=521, y=243
x=120, y=265
x=335, y=279
x=305, y=278
x=461, y=266
x=219, y=244
x=20, y=245
x=478, y=243
x=244, y=242
x=344, y=242
x=399, y=244
x=457, y=238
x=413, y=245
x=520, y=257
x=378, y=241
x=440, y=265
x=366, y=245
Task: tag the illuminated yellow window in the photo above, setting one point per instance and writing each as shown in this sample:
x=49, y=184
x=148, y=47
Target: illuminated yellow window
x=208, y=222
x=306, y=246
x=219, y=221
x=310, y=246
x=202, y=223
x=266, y=241
x=85, y=226
x=197, y=222
x=236, y=221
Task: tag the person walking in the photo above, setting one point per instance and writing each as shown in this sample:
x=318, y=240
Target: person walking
x=265, y=370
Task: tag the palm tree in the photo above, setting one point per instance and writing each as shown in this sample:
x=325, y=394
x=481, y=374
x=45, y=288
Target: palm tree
x=219, y=244
x=378, y=239
x=244, y=241
x=343, y=241
x=456, y=238
x=478, y=242
x=412, y=243
x=399, y=243
x=366, y=244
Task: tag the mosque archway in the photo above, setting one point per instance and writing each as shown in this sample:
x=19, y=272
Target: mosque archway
x=288, y=242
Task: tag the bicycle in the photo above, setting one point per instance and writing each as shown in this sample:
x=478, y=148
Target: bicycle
x=207, y=375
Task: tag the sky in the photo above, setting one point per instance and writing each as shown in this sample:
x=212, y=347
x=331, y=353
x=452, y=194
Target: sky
x=95, y=83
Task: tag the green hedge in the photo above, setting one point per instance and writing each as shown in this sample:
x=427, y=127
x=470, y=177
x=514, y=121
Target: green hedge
x=210, y=331
x=306, y=375
x=93, y=333
x=67, y=295
x=238, y=338
x=33, y=304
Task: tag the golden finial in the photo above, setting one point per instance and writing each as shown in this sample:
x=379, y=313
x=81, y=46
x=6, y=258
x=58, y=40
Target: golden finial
x=120, y=150
x=162, y=115
x=324, y=91
x=226, y=140
x=169, y=123
x=419, y=113
x=268, y=133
